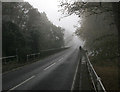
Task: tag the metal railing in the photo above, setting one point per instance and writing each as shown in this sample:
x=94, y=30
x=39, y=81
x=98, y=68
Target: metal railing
x=28, y=56
x=5, y=59
x=55, y=49
x=32, y=55
x=96, y=81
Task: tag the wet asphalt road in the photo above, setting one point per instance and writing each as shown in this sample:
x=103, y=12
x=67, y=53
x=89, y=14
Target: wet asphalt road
x=55, y=72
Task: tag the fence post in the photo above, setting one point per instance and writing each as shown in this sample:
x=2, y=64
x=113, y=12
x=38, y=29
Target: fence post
x=38, y=55
x=17, y=57
x=98, y=85
x=5, y=61
x=27, y=57
x=34, y=56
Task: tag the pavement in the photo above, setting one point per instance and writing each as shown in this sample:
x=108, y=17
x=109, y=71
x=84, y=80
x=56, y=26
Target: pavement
x=85, y=81
x=56, y=72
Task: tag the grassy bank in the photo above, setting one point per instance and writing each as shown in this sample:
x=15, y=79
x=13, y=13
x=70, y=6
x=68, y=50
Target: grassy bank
x=108, y=72
x=13, y=65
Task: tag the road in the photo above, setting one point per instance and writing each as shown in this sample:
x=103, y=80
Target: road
x=56, y=72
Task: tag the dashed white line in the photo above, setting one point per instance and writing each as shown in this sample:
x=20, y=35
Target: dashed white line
x=52, y=64
x=21, y=83
x=49, y=66
x=60, y=59
x=32, y=76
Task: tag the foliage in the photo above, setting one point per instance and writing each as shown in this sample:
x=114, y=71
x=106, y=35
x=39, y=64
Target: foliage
x=26, y=31
x=79, y=8
x=98, y=26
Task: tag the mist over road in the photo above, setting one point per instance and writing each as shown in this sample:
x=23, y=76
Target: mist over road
x=55, y=72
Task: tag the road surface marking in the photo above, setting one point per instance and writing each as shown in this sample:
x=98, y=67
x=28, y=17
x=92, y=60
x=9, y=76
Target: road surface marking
x=52, y=64
x=60, y=59
x=49, y=66
x=21, y=83
x=74, y=77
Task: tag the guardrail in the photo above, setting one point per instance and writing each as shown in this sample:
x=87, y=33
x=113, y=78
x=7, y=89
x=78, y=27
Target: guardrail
x=32, y=55
x=96, y=81
x=55, y=49
x=9, y=57
x=43, y=52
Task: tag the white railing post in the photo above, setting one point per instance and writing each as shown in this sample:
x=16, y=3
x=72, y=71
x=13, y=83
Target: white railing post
x=27, y=57
x=17, y=58
x=33, y=56
x=98, y=86
x=5, y=61
x=38, y=55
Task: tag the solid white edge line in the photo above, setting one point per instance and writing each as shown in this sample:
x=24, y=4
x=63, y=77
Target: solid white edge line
x=49, y=66
x=75, y=76
x=21, y=83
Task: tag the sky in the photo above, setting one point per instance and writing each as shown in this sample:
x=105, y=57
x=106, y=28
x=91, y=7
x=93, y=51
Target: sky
x=50, y=7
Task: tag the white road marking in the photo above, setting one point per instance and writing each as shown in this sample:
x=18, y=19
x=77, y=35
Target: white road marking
x=33, y=76
x=75, y=77
x=60, y=59
x=52, y=64
x=49, y=66
x=21, y=83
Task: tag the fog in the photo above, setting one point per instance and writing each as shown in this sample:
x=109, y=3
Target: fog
x=50, y=7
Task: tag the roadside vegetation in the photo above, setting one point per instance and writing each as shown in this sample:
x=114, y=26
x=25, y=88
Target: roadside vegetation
x=13, y=64
x=107, y=70
x=25, y=31
x=99, y=29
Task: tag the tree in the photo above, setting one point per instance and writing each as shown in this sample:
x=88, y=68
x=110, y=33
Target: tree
x=107, y=43
x=89, y=12
x=27, y=30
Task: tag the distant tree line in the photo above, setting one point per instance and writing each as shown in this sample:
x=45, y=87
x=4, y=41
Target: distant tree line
x=26, y=31
x=100, y=36
x=99, y=26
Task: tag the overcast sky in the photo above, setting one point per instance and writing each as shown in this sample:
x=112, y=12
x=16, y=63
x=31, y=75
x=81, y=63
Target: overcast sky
x=50, y=7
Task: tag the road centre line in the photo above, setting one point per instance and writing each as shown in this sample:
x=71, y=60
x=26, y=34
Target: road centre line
x=49, y=66
x=32, y=77
x=21, y=83
x=52, y=64
x=60, y=59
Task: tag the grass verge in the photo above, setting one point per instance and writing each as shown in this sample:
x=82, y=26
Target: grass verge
x=108, y=72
